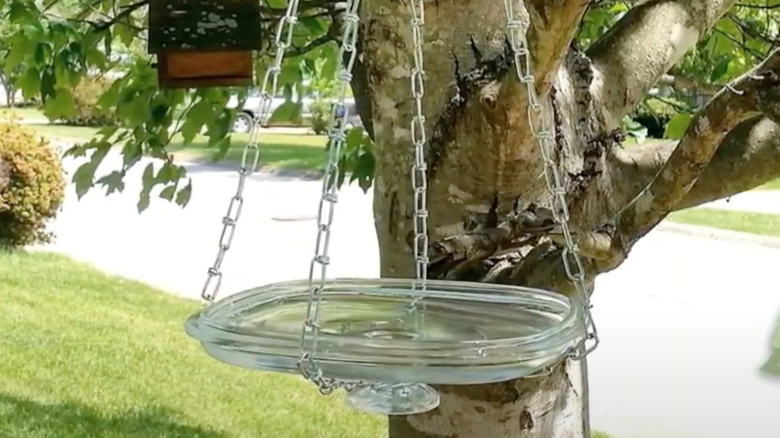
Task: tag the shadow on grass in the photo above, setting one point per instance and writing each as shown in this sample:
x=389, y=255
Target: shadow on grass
x=20, y=418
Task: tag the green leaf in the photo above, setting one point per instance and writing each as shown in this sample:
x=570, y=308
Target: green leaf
x=21, y=11
x=147, y=179
x=720, y=70
x=143, y=201
x=113, y=182
x=312, y=24
x=677, y=126
x=287, y=112
x=83, y=178
x=168, y=192
x=61, y=106
x=223, y=147
x=110, y=98
x=131, y=153
x=147, y=184
x=135, y=111
x=30, y=82
x=169, y=173
x=183, y=196
x=48, y=84
x=20, y=50
x=124, y=33
x=355, y=137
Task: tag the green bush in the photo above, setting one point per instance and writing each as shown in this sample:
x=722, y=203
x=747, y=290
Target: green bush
x=320, y=116
x=88, y=112
x=32, y=186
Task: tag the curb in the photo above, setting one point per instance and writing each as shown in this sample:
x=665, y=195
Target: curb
x=719, y=234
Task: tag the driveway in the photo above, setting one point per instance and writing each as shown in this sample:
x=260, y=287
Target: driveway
x=684, y=322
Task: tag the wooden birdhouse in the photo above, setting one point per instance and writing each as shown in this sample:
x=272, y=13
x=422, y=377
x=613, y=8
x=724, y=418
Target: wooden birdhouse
x=204, y=43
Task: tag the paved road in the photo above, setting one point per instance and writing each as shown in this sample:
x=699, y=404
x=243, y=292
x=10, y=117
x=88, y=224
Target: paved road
x=684, y=322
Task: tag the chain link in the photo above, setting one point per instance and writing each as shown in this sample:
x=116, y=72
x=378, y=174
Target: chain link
x=251, y=155
x=419, y=168
x=319, y=264
x=541, y=128
x=517, y=27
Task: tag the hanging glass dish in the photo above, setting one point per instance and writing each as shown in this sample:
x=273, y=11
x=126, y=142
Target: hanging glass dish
x=471, y=333
x=386, y=340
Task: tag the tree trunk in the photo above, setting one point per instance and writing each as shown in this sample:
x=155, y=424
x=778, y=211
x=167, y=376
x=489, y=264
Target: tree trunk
x=486, y=192
x=483, y=166
x=10, y=92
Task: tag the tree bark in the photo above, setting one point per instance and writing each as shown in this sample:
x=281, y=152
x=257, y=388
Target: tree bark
x=485, y=193
x=482, y=168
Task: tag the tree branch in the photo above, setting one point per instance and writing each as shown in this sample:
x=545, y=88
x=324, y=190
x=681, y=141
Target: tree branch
x=752, y=93
x=652, y=37
x=553, y=27
x=747, y=158
x=682, y=83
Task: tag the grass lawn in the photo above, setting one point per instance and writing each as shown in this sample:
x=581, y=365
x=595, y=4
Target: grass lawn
x=280, y=151
x=746, y=222
x=23, y=113
x=88, y=355
x=771, y=185
x=74, y=133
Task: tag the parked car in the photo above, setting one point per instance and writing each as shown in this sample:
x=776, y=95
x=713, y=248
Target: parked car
x=245, y=116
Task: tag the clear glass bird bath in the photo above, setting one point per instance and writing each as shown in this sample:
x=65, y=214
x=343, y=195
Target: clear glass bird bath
x=463, y=333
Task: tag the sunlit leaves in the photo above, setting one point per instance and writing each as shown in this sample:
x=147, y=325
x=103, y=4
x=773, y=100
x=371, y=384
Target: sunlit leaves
x=677, y=126
x=357, y=160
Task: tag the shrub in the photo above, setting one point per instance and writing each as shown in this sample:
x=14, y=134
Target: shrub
x=32, y=186
x=88, y=112
x=320, y=116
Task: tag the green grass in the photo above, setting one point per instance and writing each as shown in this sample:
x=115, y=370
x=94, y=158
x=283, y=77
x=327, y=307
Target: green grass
x=24, y=113
x=746, y=222
x=771, y=185
x=88, y=355
x=78, y=133
x=299, y=152
x=296, y=152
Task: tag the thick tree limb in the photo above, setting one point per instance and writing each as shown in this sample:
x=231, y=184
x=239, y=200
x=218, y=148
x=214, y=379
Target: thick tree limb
x=554, y=25
x=747, y=158
x=753, y=93
x=630, y=58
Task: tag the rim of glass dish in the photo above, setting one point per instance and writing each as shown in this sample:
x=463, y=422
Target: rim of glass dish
x=564, y=329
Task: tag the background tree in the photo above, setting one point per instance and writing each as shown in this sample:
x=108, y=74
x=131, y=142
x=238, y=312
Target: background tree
x=8, y=76
x=711, y=63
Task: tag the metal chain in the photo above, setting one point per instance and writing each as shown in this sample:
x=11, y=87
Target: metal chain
x=540, y=128
x=251, y=155
x=419, y=169
x=319, y=264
